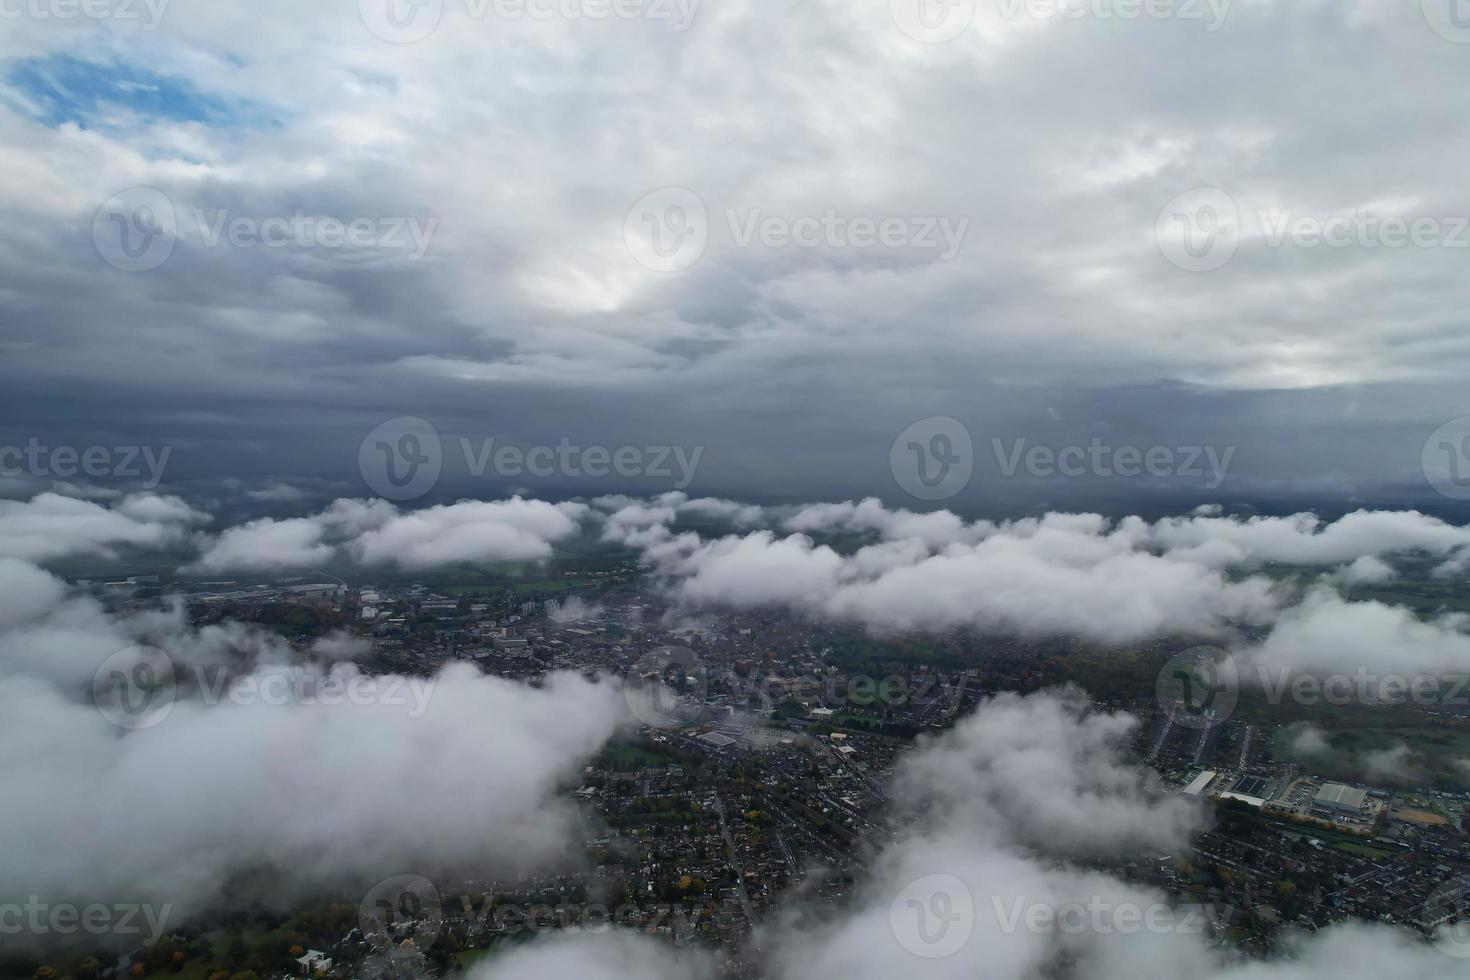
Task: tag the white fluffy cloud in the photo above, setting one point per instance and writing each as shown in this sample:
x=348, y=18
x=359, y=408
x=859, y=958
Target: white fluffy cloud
x=451, y=773
x=52, y=526
x=992, y=812
x=264, y=765
x=508, y=530
x=1084, y=575
x=267, y=544
x=377, y=533
x=1059, y=575
x=1326, y=633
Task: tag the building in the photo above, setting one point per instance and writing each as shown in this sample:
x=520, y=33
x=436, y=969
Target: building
x=1340, y=799
x=314, y=962
x=1199, y=783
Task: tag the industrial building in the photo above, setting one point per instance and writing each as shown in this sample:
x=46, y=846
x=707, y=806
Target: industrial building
x=1340, y=799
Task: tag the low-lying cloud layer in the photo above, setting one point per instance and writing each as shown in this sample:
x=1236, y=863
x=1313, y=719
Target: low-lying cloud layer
x=229, y=766
x=303, y=793
x=376, y=533
x=978, y=879
x=1083, y=575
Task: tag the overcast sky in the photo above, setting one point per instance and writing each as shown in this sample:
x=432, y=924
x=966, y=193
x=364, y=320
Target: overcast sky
x=582, y=227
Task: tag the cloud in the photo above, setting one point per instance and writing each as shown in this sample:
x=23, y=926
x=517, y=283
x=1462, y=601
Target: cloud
x=1107, y=581
x=1059, y=575
x=989, y=817
x=614, y=955
x=1393, y=766
x=1367, y=571
x=1304, y=539
x=51, y=526
x=1048, y=772
x=377, y=533
x=310, y=794
x=267, y=544
x=264, y=774
x=1326, y=633
x=509, y=530
x=1310, y=740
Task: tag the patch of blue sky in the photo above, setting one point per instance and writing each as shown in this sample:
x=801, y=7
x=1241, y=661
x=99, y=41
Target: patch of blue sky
x=60, y=89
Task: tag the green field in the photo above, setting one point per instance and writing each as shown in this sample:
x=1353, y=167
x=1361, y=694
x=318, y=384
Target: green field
x=625, y=756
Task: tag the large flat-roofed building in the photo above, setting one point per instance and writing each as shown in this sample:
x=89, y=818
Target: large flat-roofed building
x=1198, y=784
x=1343, y=799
